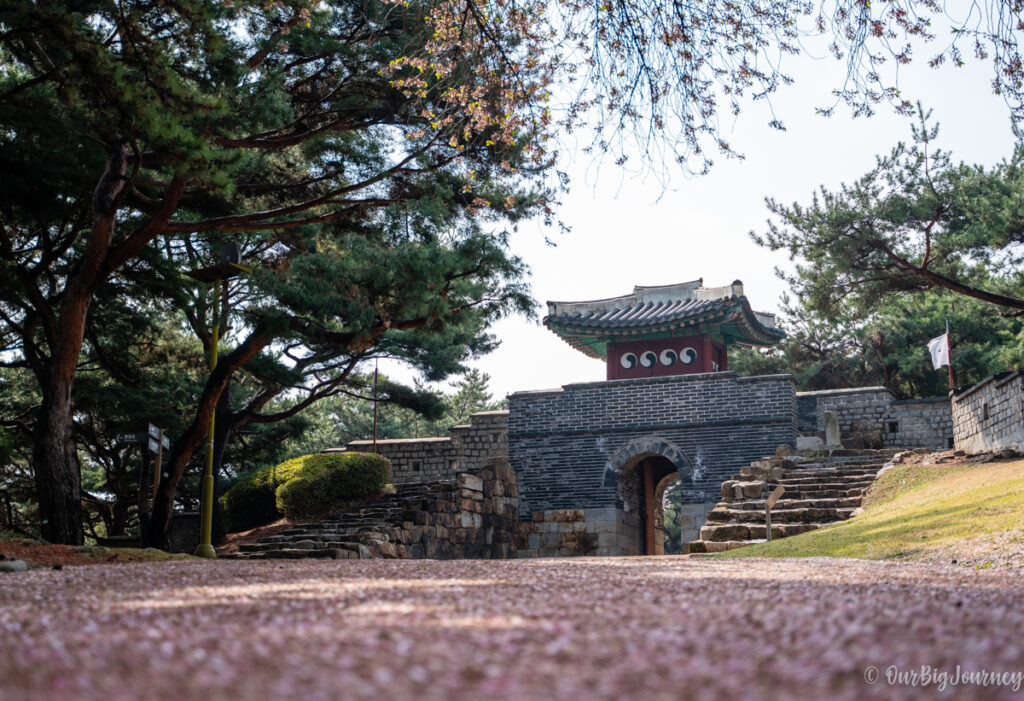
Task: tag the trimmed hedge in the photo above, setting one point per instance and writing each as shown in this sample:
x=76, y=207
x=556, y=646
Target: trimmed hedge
x=329, y=478
x=304, y=486
x=251, y=502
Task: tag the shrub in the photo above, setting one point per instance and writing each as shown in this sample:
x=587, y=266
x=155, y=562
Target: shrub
x=329, y=479
x=303, y=486
x=251, y=502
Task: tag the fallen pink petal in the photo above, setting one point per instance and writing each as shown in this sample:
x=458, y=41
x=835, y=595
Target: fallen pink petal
x=582, y=628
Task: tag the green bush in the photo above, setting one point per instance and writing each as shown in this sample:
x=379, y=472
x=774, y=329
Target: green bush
x=329, y=479
x=251, y=502
x=303, y=486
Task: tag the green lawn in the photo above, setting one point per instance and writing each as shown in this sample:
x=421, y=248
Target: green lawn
x=970, y=514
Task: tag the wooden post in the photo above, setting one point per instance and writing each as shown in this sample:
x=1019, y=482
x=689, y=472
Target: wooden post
x=768, y=504
x=647, y=475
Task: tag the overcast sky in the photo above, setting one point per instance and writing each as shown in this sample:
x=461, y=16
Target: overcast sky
x=629, y=231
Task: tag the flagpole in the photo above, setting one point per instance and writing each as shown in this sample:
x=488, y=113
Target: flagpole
x=375, y=404
x=949, y=354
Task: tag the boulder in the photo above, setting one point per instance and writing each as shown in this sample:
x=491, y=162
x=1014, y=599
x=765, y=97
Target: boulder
x=13, y=566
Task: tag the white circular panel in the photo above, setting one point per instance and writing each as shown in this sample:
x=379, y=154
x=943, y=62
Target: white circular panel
x=687, y=355
x=668, y=358
x=648, y=359
x=628, y=360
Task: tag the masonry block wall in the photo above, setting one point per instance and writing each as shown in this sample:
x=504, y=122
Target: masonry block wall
x=562, y=444
x=990, y=415
x=908, y=423
x=422, y=459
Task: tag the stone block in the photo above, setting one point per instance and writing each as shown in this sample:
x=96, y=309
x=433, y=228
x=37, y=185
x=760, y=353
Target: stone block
x=751, y=490
x=550, y=540
x=468, y=481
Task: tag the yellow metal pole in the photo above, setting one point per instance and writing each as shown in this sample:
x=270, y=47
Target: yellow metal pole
x=156, y=464
x=205, y=548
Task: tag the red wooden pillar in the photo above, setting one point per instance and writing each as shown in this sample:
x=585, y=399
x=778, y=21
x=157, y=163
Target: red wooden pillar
x=707, y=354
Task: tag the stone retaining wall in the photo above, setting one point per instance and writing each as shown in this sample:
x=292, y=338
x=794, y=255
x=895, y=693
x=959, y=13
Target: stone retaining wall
x=990, y=415
x=908, y=423
x=420, y=459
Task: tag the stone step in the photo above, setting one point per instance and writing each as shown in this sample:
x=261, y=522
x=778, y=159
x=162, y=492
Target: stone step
x=294, y=554
x=700, y=546
x=806, y=515
x=784, y=503
x=732, y=531
x=824, y=493
x=819, y=484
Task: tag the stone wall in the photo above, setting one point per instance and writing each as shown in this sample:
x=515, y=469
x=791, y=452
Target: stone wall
x=420, y=459
x=469, y=515
x=908, y=423
x=570, y=446
x=990, y=415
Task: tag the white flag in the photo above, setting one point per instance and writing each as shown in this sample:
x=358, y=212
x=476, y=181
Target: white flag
x=939, y=348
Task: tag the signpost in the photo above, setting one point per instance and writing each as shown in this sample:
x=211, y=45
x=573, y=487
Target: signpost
x=768, y=504
x=152, y=442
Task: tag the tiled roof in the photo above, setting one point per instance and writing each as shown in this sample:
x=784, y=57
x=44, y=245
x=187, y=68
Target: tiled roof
x=684, y=308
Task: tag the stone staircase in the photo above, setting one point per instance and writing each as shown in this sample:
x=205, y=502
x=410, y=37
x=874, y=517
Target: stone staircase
x=822, y=487
x=471, y=514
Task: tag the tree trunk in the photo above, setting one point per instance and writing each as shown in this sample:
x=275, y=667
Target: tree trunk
x=222, y=427
x=195, y=435
x=57, y=474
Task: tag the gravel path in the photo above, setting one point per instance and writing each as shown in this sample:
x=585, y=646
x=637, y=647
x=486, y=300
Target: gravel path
x=625, y=628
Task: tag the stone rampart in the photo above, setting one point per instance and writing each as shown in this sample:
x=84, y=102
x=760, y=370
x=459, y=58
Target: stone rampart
x=570, y=445
x=907, y=423
x=990, y=415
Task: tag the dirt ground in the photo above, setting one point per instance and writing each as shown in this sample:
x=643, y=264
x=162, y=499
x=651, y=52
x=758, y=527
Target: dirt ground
x=586, y=628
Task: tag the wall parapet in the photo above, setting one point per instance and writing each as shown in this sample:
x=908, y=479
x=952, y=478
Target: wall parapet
x=484, y=438
x=875, y=411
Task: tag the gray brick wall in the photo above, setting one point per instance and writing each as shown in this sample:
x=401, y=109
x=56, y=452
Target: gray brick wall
x=561, y=441
x=990, y=415
x=467, y=447
x=909, y=423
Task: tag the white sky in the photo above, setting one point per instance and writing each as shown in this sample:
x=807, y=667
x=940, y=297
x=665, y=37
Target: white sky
x=629, y=231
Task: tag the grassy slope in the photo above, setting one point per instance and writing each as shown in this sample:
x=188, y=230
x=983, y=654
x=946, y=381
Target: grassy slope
x=973, y=514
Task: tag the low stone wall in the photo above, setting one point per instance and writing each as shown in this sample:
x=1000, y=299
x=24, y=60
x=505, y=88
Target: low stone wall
x=470, y=515
x=909, y=423
x=572, y=532
x=990, y=415
x=420, y=459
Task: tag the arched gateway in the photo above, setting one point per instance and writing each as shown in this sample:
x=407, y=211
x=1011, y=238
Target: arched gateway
x=641, y=471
